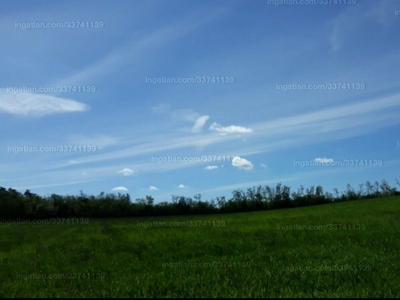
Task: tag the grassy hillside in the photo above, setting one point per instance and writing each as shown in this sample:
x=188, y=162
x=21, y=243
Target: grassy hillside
x=258, y=254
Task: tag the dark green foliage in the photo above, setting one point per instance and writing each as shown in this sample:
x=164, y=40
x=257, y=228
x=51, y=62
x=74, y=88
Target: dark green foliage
x=15, y=205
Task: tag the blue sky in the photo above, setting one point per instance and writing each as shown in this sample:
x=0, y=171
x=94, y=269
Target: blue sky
x=130, y=120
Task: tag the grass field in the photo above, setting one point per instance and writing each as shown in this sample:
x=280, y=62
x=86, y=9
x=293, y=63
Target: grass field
x=231, y=255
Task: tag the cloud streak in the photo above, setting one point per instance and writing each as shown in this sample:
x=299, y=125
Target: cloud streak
x=37, y=105
x=199, y=123
x=347, y=120
x=134, y=48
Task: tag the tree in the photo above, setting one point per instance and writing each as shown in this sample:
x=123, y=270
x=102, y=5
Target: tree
x=319, y=192
x=337, y=194
x=149, y=200
x=360, y=190
x=369, y=187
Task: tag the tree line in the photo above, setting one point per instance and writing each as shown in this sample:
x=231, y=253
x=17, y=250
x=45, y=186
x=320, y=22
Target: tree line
x=15, y=205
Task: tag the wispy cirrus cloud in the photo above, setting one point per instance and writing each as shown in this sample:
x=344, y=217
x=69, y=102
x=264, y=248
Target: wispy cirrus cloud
x=37, y=105
x=134, y=48
x=99, y=141
x=181, y=114
x=199, y=123
x=335, y=122
x=354, y=18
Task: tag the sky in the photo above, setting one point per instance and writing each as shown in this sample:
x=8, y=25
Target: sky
x=179, y=97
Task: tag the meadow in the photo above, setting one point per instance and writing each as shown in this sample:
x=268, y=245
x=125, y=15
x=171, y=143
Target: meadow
x=345, y=249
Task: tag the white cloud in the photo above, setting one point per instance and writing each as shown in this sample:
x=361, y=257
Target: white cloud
x=126, y=172
x=37, y=105
x=324, y=160
x=211, y=167
x=242, y=163
x=263, y=165
x=185, y=114
x=153, y=188
x=120, y=189
x=230, y=129
x=181, y=186
x=199, y=123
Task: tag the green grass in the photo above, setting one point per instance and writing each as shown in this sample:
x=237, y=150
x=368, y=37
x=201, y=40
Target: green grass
x=251, y=257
